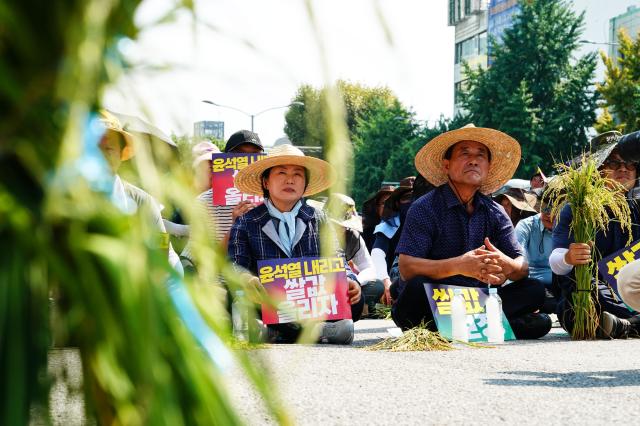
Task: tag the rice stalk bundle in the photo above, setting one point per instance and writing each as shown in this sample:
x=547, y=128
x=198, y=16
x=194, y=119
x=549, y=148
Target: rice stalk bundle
x=416, y=339
x=595, y=200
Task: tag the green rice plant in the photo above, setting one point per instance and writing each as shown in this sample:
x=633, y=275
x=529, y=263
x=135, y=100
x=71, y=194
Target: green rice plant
x=108, y=280
x=383, y=311
x=595, y=201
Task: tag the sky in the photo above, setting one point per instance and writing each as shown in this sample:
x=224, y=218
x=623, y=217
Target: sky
x=253, y=55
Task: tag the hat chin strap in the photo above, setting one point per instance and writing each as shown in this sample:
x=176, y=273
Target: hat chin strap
x=455, y=189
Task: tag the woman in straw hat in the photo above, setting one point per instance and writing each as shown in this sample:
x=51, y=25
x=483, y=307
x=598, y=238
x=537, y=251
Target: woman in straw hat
x=285, y=226
x=457, y=235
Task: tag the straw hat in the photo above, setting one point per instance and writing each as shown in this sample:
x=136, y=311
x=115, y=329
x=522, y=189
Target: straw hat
x=341, y=209
x=321, y=173
x=111, y=123
x=505, y=155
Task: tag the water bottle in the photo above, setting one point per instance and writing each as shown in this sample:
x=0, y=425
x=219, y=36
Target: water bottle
x=459, y=327
x=495, y=330
x=240, y=317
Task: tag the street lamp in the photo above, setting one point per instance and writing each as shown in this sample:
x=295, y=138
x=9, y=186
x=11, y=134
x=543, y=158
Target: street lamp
x=598, y=42
x=252, y=115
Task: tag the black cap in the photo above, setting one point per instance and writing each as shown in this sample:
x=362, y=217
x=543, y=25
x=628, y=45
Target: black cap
x=241, y=137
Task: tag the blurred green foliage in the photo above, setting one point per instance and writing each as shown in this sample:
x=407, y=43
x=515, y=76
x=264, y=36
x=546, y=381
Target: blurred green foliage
x=69, y=247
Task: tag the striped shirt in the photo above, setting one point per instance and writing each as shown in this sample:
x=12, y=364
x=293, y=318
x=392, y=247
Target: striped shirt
x=219, y=220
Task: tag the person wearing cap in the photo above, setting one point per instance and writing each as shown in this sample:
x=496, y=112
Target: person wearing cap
x=616, y=320
x=388, y=233
x=117, y=146
x=285, y=226
x=517, y=204
x=534, y=234
x=457, y=235
x=341, y=209
x=538, y=180
x=222, y=217
x=372, y=210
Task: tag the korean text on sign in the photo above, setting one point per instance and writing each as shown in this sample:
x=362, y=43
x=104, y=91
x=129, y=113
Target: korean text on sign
x=224, y=170
x=301, y=289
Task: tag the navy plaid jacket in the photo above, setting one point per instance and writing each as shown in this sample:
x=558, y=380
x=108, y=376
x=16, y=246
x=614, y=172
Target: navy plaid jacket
x=253, y=238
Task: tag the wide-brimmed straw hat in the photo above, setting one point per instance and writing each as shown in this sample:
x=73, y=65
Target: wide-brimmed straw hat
x=321, y=173
x=341, y=209
x=505, y=155
x=111, y=123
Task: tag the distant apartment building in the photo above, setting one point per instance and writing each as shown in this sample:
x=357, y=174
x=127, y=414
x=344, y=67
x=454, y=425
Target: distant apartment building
x=208, y=129
x=469, y=17
x=629, y=21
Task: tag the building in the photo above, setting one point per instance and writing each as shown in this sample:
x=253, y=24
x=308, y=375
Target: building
x=208, y=129
x=629, y=21
x=500, y=17
x=469, y=17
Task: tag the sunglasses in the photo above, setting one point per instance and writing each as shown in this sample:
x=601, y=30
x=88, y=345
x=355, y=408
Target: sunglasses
x=616, y=164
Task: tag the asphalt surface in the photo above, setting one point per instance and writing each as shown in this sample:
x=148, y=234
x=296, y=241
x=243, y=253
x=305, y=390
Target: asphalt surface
x=549, y=381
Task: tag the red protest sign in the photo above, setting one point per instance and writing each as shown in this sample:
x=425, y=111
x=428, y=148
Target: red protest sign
x=305, y=289
x=224, y=170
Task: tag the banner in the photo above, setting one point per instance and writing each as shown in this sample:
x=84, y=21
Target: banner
x=301, y=289
x=610, y=266
x=440, y=295
x=224, y=170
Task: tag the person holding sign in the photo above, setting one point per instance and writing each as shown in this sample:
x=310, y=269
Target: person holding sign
x=220, y=218
x=285, y=226
x=617, y=158
x=457, y=235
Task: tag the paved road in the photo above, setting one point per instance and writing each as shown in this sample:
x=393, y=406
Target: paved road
x=550, y=381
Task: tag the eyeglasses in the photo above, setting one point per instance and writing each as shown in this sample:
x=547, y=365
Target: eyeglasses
x=616, y=164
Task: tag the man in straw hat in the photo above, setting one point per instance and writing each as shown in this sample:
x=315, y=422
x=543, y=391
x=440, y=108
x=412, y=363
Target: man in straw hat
x=457, y=235
x=286, y=227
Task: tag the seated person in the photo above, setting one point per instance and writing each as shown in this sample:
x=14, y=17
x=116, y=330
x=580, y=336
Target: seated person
x=219, y=218
x=387, y=234
x=535, y=237
x=116, y=145
x=286, y=227
x=517, y=204
x=372, y=213
x=457, y=235
x=616, y=320
x=538, y=180
x=341, y=209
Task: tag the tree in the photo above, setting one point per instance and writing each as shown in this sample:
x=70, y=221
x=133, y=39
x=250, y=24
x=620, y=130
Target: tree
x=534, y=90
x=306, y=124
x=620, y=90
x=380, y=134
